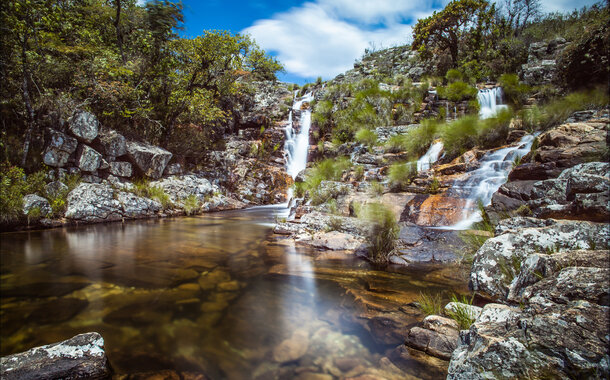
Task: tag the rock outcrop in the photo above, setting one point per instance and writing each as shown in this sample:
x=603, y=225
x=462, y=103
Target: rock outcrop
x=33, y=201
x=541, y=66
x=84, y=126
x=149, y=159
x=181, y=187
x=59, y=148
x=80, y=357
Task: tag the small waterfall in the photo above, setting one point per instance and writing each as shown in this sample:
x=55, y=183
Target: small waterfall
x=490, y=100
x=483, y=182
x=430, y=157
x=297, y=145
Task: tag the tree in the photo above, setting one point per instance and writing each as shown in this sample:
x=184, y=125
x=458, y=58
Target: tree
x=519, y=12
x=445, y=29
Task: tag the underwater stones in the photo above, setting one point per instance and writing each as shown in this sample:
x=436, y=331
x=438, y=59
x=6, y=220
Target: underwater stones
x=56, y=311
x=208, y=281
x=293, y=348
x=43, y=289
x=80, y=357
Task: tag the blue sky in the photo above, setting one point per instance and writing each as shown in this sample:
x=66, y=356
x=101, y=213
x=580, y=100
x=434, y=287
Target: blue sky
x=321, y=37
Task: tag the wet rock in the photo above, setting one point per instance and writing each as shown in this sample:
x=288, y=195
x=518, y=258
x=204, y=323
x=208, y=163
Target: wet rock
x=81, y=357
x=121, y=169
x=432, y=342
x=180, y=187
x=151, y=160
x=87, y=158
x=112, y=143
x=33, y=201
x=292, y=348
x=58, y=149
x=84, y=126
x=433, y=210
x=496, y=262
x=420, y=244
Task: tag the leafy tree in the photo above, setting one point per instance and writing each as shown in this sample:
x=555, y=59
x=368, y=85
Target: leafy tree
x=446, y=29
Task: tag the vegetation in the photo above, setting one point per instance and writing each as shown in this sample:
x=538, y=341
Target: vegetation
x=14, y=184
x=400, y=175
x=430, y=304
x=191, y=204
x=142, y=188
x=416, y=141
x=461, y=312
x=474, y=238
x=383, y=233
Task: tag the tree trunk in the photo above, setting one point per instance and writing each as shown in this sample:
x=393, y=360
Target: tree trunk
x=117, y=27
x=27, y=101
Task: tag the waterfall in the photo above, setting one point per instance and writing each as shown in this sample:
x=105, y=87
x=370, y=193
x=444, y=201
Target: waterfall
x=297, y=145
x=490, y=100
x=483, y=182
x=430, y=157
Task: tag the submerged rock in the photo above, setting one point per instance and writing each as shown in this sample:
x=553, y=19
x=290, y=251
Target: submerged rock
x=80, y=357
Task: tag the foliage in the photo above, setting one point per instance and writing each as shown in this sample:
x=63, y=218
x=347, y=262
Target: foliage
x=367, y=137
x=430, y=304
x=334, y=224
x=59, y=199
x=516, y=93
x=142, y=188
x=400, y=175
x=14, y=185
x=191, y=204
x=461, y=312
x=457, y=91
x=376, y=188
x=383, y=233
x=416, y=141
x=434, y=186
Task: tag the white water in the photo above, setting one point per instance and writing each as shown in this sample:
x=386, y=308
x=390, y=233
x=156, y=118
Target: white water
x=490, y=101
x=430, y=157
x=483, y=182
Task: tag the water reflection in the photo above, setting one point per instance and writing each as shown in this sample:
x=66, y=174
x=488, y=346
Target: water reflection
x=211, y=294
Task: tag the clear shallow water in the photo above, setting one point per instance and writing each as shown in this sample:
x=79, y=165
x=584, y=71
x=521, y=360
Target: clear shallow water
x=213, y=294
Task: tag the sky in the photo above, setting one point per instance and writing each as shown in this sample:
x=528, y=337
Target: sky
x=321, y=37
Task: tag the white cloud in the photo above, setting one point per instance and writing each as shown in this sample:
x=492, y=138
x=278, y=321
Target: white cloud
x=324, y=38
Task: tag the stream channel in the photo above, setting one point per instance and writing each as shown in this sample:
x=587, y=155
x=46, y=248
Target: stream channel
x=215, y=294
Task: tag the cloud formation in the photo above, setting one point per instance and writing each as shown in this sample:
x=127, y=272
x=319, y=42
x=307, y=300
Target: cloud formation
x=324, y=37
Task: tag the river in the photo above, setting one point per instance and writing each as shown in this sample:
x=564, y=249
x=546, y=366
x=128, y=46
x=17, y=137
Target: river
x=216, y=293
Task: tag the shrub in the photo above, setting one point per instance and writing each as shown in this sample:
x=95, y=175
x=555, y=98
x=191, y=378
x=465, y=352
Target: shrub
x=191, y=204
x=327, y=170
x=460, y=135
x=359, y=172
x=454, y=75
x=377, y=188
x=334, y=224
x=367, y=137
x=14, y=184
x=401, y=175
x=434, y=186
x=516, y=93
x=58, y=201
x=461, y=313
x=383, y=233
x=430, y=304
x=457, y=91
x=418, y=140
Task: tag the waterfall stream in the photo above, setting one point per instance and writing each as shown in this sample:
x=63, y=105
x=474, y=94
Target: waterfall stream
x=430, y=157
x=482, y=183
x=490, y=100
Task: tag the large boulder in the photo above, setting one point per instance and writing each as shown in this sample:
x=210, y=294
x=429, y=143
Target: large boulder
x=84, y=126
x=150, y=159
x=541, y=66
x=560, y=331
x=58, y=149
x=180, y=187
x=88, y=159
x=438, y=337
x=121, y=169
x=93, y=203
x=80, y=357
x=32, y=201
x=496, y=264
x=112, y=143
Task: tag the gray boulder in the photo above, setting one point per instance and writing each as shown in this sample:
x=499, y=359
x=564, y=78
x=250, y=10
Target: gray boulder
x=54, y=188
x=112, y=143
x=32, y=201
x=121, y=169
x=84, y=126
x=137, y=207
x=59, y=148
x=150, y=159
x=80, y=357
x=88, y=159
x=180, y=187
x=496, y=263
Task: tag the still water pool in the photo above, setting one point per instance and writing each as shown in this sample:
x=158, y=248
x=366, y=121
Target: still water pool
x=217, y=294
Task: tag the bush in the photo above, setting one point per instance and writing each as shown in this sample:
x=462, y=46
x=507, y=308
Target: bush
x=334, y=224
x=191, y=204
x=401, y=175
x=14, y=185
x=376, y=188
x=430, y=304
x=516, y=93
x=460, y=135
x=58, y=201
x=457, y=91
x=383, y=233
x=416, y=141
x=434, y=186
x=327, y=170
x=454, y=75
x=367, y=137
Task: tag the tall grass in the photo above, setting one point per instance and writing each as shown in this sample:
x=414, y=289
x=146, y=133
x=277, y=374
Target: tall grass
x=462, y=313
x=367, y=137
x=416, y=141
x=400, y=175
x=430, y=304
x=383, y=233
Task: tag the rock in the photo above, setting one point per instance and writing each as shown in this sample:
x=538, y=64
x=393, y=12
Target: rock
x=173, y=169
x=32, y=201
x=292, y=348
x=433, y=210
x=440, y=324
x=84, y=126
x=496, y=263
x=121, y=169
x=87, y=158
x=81, y=357
x=180, y=187
x=472, y=311
x=58, y=149
x=94, y=203
x=334, y=240
x=150, y=159
x=440, y=345
x=112, y=143
x=54, y=188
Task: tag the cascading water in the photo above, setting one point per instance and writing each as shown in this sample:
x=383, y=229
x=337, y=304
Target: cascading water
x=430, y=157
x=490, y=101
x=483, y=182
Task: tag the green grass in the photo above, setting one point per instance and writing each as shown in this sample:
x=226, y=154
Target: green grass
x=191, y=204
x=377, y=189
x=416, y=141
x=383, y=233
x=457, y=91
x=461, y=314
x=400, y=175
x=366, y=137
x=334, y=224
x=430, y=304
x=142, y=188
